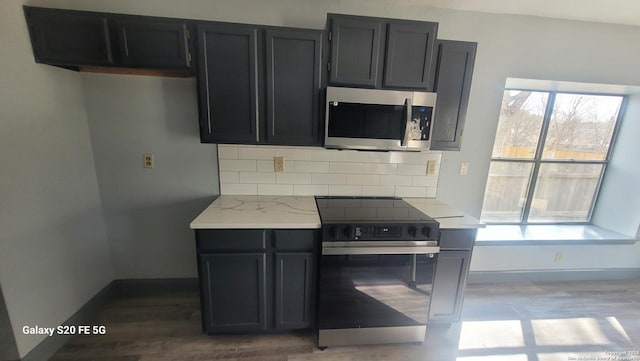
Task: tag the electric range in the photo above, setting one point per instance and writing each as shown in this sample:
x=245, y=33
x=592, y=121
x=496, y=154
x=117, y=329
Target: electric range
x=376, y=270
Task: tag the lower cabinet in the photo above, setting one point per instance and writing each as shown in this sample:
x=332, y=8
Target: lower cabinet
x=256, y=280
x=233, y=291
x=450, y=279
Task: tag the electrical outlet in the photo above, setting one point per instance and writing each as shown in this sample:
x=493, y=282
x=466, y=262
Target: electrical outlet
x=558, y=257
x=147, y=160
x=432, y=167
x=464, y=168
x=278, y=164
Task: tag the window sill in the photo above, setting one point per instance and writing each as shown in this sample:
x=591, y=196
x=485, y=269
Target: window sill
x=510, y=235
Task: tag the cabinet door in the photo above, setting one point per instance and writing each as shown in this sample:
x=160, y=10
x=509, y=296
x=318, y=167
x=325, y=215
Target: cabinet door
x=153, y=43
x=448, y=286
x=293, y=87
x=408, y=55
x=228, y=83
x=293, y=290
x=452, y=82
x=233, y=290
x=356, y=46
x=69, y=38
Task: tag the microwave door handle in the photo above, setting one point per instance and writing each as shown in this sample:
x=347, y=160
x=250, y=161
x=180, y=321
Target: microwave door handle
x=407, y=121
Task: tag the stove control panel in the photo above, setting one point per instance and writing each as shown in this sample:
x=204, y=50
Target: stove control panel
x=379, y=232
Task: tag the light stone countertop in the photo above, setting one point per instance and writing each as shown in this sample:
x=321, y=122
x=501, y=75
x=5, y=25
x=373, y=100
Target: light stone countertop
x=447, y=216
x=229, y=211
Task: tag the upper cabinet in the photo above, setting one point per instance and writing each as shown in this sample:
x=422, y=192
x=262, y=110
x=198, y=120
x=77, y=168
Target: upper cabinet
x=76, y=39
x=293, y=88
x=259, y=85
x=153, y=42
x=69, y=38
x=452, y=82
x=228, y=83
x=380, y=53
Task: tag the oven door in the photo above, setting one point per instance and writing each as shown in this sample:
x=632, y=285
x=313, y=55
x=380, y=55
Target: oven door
x=377, y=288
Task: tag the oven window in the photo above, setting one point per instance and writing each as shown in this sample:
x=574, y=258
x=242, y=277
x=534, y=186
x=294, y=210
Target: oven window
x=355, y=120
x=374, y=291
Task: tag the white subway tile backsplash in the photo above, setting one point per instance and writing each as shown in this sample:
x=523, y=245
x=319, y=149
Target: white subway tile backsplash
x=275, y=189
x=411, y=192
x=412, y=169
x=263, y=153
x=227, y=152
x=310, y=190
x=329, y=155
x=248, y=189
x=248, y=169
x=257, y=177
x=372, y=168
x=363, y=179
x=396, y=180
x=344, y=190
x=248, y=165
x=321, y=178
x=293, y=178
x=294, y=153
x=339, y=167
x=265, y=165
x=378, y=191
x=229, y=177
x=424, y=181
x=309, y=167
x=364, y=157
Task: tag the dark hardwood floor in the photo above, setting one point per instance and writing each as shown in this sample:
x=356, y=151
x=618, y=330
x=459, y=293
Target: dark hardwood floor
x=596, y=320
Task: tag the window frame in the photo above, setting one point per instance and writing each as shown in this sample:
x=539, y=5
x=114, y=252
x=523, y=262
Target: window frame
x=537, y=160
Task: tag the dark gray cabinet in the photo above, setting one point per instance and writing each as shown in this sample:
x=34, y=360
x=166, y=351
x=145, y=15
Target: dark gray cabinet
x=74, y=39
x=152, y=43
x=375, y=52
x=234, y=291
x=356, y=47
x=256, y=280
x=228, y=83
x=293, y=87
x=452, y=81
x=259, y=85
x=293, y=287
x=408, y=56
x=69, y=38
x=450, y=279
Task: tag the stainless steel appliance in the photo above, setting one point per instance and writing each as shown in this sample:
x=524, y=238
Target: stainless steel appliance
x=376, y=271
x=371, y=119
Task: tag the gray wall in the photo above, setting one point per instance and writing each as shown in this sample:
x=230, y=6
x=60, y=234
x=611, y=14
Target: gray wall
x=619, y=201
x=54, y=254
x=148, y=211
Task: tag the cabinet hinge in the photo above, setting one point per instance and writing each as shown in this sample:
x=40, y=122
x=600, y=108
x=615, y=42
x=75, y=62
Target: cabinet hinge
x=328, y=67
x=189, y=58
x=329, y=36
x=188, y=34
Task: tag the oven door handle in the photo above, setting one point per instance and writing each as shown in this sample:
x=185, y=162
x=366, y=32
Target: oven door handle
x=336, y=251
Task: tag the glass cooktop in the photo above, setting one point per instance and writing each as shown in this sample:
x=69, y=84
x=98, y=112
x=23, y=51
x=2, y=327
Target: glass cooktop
x=368, y=209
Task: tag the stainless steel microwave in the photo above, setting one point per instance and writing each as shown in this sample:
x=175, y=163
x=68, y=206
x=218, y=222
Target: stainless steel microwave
x=371, y=119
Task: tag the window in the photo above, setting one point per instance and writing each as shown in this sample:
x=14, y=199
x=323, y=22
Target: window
x=549, y=156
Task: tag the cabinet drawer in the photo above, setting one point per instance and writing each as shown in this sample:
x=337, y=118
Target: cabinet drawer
x=230, y=239
x=299, y=239
x=457, y=239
